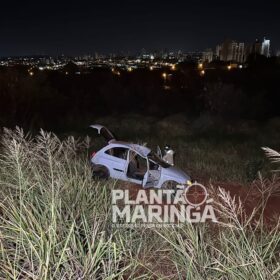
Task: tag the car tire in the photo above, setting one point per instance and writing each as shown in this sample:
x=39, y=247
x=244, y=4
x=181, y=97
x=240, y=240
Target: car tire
x=100, y=172
x=169, y=185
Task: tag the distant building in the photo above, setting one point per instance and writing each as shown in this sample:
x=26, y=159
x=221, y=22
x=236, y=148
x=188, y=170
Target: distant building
x=179, y=54
x=265, y=47
x=207, y=55
x=218, y=51
x=231, y=51
x=257, y=47
x=262, y=48
x=238, y=52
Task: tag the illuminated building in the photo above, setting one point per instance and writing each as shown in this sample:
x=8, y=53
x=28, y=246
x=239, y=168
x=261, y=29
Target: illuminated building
x=231, y=51
x=207, y=55
x=265, y=47
x=262, y=48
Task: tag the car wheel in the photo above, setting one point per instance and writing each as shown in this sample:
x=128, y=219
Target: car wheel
x=100, y=173
x=169, y=185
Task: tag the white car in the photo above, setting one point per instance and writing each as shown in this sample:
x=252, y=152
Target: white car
x=134, y=163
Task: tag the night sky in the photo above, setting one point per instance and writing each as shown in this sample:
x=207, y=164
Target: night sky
x=80, y=27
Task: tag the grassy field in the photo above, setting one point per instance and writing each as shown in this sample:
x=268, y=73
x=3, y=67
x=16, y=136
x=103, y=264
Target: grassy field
x=56, y=222
x=207, y=148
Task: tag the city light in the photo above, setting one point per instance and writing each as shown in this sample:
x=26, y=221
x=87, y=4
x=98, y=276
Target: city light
x=118, y=73
x=31, y=73
x=202, y=72
x=236, y=57
x=164, y=75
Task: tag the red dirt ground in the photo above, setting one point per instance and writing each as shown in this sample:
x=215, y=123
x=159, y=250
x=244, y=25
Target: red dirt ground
x=250, y=197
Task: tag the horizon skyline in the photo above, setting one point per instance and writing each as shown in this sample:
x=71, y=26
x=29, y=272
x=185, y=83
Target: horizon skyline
x=137, y=52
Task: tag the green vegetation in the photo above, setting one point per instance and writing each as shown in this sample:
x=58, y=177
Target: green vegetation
x=206, y=147
x=56, y=222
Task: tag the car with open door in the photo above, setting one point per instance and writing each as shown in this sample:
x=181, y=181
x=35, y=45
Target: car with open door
x=134, y=163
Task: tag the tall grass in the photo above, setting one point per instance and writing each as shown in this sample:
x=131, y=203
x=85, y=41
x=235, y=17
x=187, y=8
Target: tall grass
x=55, y=223
x=53, y=217
x=238, y=247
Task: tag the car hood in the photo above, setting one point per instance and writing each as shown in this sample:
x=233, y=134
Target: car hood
x=175, y=173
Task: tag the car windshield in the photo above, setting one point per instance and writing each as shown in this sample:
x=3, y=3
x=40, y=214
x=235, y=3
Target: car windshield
x=155, y=158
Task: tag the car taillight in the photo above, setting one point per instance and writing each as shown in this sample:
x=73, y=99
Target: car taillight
x=93, y=154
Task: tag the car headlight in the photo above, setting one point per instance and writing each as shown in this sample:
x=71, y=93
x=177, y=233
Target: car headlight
x=189, y=183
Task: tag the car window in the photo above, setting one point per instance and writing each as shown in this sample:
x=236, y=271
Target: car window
x=118, y=152
x=153, y=165
x=137, y=166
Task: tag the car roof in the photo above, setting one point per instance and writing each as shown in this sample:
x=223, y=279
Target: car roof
x=141, y=150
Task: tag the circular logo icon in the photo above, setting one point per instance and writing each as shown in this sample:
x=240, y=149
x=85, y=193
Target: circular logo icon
x=196, y=194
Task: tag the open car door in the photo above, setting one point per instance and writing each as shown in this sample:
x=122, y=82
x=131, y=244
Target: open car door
x=159, y=153
x=152, y=176
x=102, y=130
